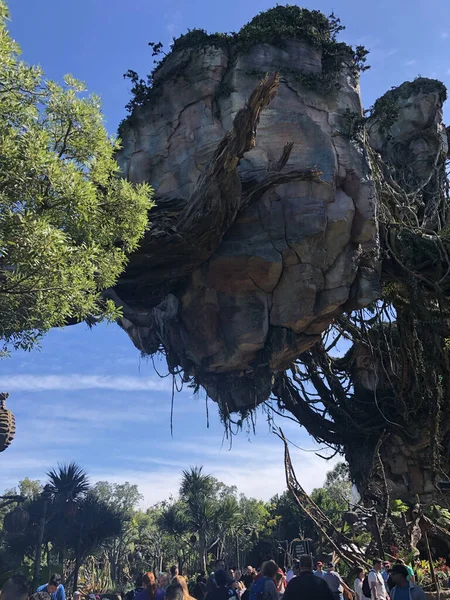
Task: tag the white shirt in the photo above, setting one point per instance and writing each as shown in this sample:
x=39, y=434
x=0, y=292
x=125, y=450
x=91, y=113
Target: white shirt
x=357, y=586
x=290, y=575
x=377, y=578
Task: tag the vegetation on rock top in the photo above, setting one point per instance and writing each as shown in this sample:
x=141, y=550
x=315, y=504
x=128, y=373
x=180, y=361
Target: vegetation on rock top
x=274, y=26
x=386, y=108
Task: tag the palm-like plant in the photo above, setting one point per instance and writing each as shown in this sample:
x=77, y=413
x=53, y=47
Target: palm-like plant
x=68, y=482
x=198, y=492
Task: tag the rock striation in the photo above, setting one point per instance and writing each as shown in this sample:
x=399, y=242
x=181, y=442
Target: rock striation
x=292, y=259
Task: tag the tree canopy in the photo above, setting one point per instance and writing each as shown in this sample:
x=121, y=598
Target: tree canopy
x=67, y=219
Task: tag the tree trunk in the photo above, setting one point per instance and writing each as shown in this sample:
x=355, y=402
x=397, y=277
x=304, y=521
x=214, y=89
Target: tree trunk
x=202, y=547
x=38, y=555
x=77, y=562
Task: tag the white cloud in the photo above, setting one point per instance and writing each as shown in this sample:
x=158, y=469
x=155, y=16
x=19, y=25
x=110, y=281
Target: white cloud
x=40, y=383
x=410, y=63
x=444, y=35
x=256, y=469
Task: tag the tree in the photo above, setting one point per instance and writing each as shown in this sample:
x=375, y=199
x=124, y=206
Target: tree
x=123, y=499
x=197, y=491
x=67, y=220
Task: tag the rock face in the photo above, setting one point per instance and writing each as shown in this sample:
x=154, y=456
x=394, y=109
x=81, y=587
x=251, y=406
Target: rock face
x=293, y=259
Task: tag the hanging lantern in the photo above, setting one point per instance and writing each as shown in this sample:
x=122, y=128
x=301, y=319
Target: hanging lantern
x=7, y=424
x=16, y=521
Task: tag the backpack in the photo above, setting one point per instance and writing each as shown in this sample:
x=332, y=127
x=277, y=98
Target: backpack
x=257, y=589
x=365, y=585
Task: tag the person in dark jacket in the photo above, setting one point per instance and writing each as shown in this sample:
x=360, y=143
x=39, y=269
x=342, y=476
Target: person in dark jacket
x=306, y=586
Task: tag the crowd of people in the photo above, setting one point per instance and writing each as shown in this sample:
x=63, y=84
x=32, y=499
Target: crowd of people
x=301, y=582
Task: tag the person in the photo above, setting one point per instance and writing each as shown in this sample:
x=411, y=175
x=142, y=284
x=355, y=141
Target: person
x=174, y=571
x=305, y=586
x=293, y=571
x=385, y=571
x=404, y=589
x=54, y=587
x=237, y=575
x=376, y=582
x=336, y=584
x=280, y=583
x=15, y=588
x=211, y=583
x=148, y=590
x=163, y=581
x=76, y=595
x=180, y=580
x=248, y=577
x=357, y=586
x=138, y=587
x=264, y=588
x=174, y=592
x=319, y=572
x=411, y=576
x=199, y=591
x=221, y=591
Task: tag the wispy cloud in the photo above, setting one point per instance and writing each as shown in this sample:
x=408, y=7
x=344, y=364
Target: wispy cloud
x=40, y=383
x=444, y=35
x=174, y=24
x=410, y=63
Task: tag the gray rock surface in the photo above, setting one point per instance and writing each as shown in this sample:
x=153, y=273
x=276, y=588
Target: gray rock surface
x=292, y=260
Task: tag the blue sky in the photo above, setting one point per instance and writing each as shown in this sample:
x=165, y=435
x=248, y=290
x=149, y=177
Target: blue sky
x=87, y=395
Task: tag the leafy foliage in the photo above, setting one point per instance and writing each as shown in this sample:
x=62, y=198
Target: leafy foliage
x=386, y=109
x=67, y=219
x=68, y=481
x=274, y=26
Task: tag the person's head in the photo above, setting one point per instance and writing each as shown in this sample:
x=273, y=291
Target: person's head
x=359, y=572
x=174, y=571
x=54, y=583
x=174, y=592
x=221, y=578
x=237, y=575
x=331, y=566
x=77, y=595
x=296, y=566
x=15, y=588
x=219, y=565
x=182, y=582
x=319, y=566
x=399, y=574
x=386, y=565
x=163, y=581
x=231, y=573
x=305, y=563
x=269, y=569
x=149, y=582
x=377, y=564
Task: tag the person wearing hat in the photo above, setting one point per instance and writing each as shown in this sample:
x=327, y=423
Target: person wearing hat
x=319, y=572
x=336, y=584
x=403, y=588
